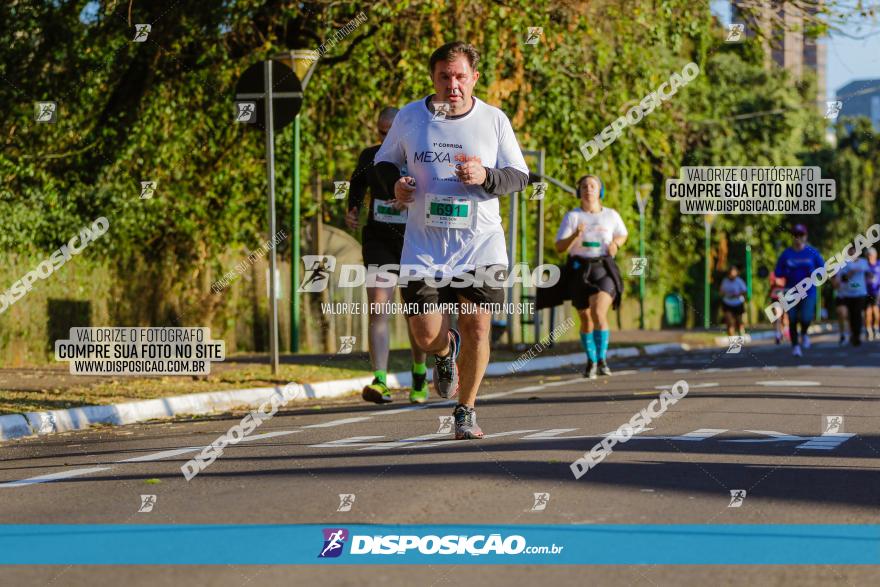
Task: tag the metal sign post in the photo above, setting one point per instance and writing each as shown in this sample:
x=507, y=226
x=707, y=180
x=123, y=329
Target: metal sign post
x=645, y=189
x=276, y=93
x=270, y=170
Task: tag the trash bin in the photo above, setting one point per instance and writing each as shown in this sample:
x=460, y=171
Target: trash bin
x=673, y=310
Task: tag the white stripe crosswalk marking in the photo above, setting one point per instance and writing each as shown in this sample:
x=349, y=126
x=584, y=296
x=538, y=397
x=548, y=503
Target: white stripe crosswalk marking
x=776, y=437
x=564, y=382
x=167, y=454
x=508, y=433
x=828, y=441
x=697, y=435
x=338, y=422
x=352, y=441
x=528, y=388
x=405, y=441
x=548, y=433
x=620, y=436
x=493, y=435
x=54, y=476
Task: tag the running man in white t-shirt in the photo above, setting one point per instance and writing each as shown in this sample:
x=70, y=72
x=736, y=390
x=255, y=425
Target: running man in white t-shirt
x=592, y=235
x=461, y=154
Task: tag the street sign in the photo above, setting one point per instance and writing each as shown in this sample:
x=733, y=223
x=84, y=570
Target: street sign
x=250, y=96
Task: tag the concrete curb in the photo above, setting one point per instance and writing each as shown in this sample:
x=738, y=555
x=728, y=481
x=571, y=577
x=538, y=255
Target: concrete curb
x=13, y=426
x=42, y=423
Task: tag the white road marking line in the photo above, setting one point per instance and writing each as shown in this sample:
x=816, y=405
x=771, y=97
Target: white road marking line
x=548, y=433
x=268, y=435
x=338, y=422
x=165, y=454
x=565, y=382
x=495, y=395
x=616, y=434
x=835, y=367
x=528, y=389
x=828, y=441
x=405, y=441
x=788, y=383
x=682, y=370
x=777, y=437
x=397, y=410
x=804, y=367
x=508, y=433
x=54, y=477
x=352, y=441
x=493, y=435
x=627, y=372
x=711, y=370
x=698, y=435
x=693, y=386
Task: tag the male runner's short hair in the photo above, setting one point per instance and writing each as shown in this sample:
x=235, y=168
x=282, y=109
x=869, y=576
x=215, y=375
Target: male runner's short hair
x=388, y=114
x=450, y=51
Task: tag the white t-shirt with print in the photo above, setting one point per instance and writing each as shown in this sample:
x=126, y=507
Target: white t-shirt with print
x=855, y=272
x=602, y=228
x=452, y=228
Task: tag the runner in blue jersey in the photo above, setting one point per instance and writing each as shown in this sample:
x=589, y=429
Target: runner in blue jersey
x=796, y=263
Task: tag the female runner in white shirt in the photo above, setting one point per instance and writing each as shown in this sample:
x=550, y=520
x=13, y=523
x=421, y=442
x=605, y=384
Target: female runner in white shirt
x=592, y=234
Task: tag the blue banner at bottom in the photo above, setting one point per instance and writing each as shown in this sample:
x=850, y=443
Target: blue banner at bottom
x=352, y=544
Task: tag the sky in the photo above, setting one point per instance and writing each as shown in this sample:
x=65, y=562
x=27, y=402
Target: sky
x=847, y=59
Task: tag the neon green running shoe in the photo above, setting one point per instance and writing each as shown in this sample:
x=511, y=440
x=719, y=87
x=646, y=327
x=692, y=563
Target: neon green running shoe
x=377, y=392
x=419, y=395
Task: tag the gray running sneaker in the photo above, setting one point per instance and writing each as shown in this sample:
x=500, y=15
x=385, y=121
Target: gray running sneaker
x=445, y=369
x=466, y=423
x=590, y=370
x=603, y=368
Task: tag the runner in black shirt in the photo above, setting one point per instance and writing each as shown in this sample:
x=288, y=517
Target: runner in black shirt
x=382, y=239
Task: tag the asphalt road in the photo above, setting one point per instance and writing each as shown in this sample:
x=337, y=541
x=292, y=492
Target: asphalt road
x=755, y=421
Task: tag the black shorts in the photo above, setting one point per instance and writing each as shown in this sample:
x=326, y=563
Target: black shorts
x=381, y=247
x=871, y=300
x=586, y=278
x=839, y=301
x=418, y=293
x=735, y=310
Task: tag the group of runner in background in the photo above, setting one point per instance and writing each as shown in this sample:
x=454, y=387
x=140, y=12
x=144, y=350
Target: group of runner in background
x=856, y=287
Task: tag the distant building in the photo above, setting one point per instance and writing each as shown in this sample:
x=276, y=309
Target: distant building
x=861, y=98
x=786, y=45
